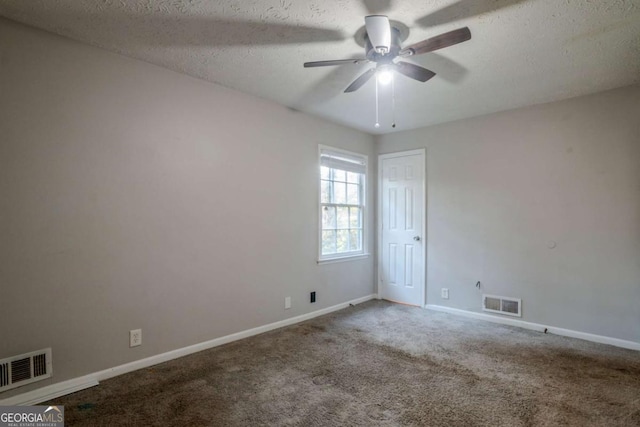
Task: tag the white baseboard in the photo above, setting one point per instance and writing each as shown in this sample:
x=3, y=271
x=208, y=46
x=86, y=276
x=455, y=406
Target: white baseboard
x=50, y=392
x=538, y=327
x=76, y=384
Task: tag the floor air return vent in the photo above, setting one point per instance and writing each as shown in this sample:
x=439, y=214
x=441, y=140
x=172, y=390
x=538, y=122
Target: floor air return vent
x=502, y=305
x=25, y=369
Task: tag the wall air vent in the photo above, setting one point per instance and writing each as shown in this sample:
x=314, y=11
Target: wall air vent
x=25, y=369
x=502, y=305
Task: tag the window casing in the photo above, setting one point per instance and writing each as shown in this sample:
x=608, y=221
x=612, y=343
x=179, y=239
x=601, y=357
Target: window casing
x=342, y=203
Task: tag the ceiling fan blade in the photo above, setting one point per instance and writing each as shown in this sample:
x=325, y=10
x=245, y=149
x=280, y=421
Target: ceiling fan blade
x=463, y=9
x=376, y=6
x=193, y=30
x=357, y=83
x=414, y=71
x=438, y=42
x=329, y=86
x=334, y=62
x=204, y=32
x=444, y=67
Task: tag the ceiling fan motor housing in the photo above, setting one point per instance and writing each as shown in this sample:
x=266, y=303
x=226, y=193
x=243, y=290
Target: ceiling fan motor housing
x=394, y=48
x=378, y=30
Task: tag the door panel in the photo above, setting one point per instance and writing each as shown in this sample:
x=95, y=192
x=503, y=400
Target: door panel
x=402, y=245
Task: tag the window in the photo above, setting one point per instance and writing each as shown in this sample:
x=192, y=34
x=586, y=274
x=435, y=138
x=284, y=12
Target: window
x=342, y=184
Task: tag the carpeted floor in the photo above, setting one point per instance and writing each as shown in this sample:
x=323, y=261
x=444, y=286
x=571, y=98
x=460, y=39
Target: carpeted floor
x=378, y=364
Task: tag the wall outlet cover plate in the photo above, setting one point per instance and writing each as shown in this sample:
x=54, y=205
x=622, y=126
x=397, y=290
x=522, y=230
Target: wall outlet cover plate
x=135, y=337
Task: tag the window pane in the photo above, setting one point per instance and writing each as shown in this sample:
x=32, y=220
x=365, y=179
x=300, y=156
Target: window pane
x=339, y=193
x=341, y=209
x=343, y=218
x=353, y=177
x=354, y=240
x=342, y=244
x=354, y=217
x=325, y=191
x=324, y=172
x=328, y=242
x=353, y=194
x=328, y=217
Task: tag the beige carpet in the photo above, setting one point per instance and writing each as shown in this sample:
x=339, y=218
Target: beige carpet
x=378, y=364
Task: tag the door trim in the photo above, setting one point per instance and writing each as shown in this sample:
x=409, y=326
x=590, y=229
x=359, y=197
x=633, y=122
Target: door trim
x=423, y=156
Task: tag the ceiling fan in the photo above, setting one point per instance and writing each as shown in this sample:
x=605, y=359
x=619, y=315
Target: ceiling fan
x=382, y=47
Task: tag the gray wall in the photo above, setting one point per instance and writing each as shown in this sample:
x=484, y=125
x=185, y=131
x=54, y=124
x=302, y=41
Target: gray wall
x=136, y=197
x=501, y=187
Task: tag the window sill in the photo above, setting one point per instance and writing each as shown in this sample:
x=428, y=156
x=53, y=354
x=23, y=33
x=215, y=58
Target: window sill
x=343, y=259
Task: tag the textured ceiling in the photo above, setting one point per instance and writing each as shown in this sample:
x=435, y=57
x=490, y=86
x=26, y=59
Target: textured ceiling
x=523, y=52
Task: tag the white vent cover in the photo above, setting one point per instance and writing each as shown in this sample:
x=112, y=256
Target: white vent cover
x=25, y=369
x=502, y=305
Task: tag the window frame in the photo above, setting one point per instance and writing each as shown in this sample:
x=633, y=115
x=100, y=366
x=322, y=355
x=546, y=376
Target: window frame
x=350, y=255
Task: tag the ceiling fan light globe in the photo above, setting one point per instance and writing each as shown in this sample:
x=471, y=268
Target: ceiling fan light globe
x=384, y=77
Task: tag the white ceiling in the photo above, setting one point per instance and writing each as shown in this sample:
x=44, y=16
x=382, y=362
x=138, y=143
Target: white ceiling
x=523, y=52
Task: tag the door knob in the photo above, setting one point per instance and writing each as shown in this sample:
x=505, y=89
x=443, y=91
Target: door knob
x=416, y=238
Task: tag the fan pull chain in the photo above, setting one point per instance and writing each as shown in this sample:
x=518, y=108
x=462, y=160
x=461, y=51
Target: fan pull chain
x=393, y=102
x=377, y=125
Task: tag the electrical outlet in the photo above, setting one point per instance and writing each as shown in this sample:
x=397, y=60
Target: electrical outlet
x=287, y=303
x=313, y=297
x=444, y=293
x=135, y=337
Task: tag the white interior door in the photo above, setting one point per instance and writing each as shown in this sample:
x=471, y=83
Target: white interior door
x=402, y=240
